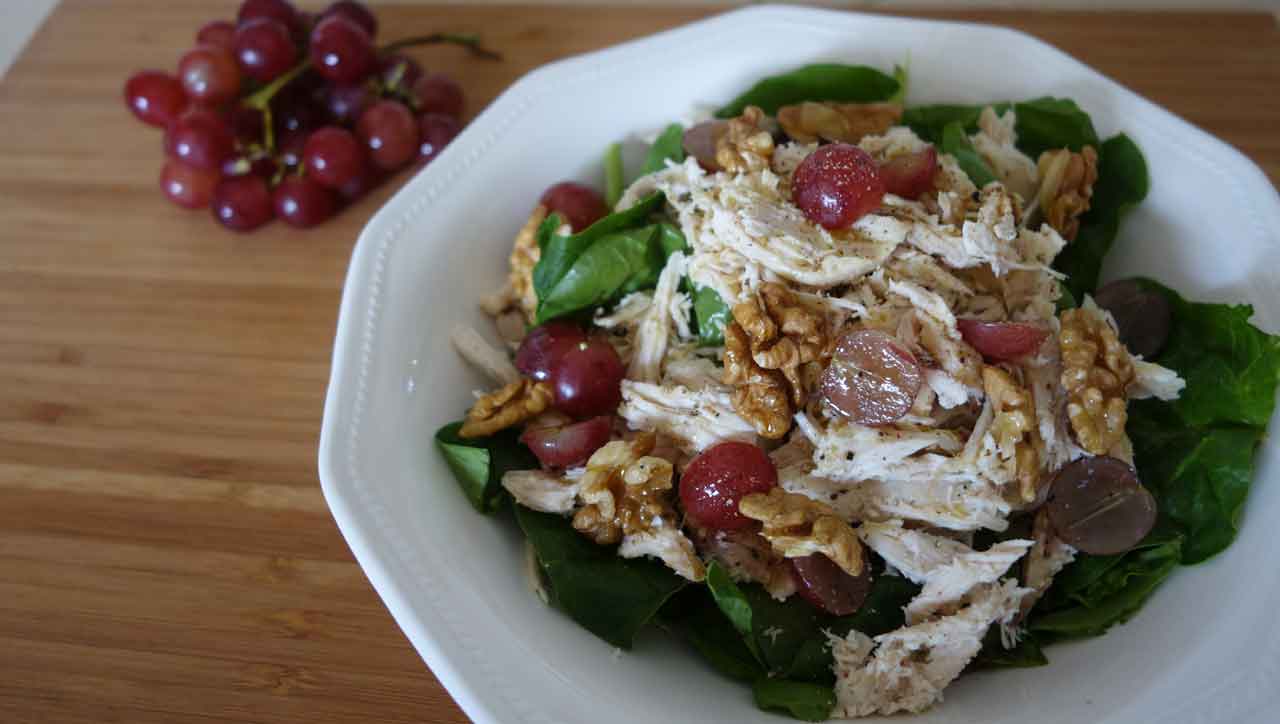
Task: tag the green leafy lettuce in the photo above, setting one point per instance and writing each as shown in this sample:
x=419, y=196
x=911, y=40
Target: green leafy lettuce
x=668, y=146
x=817, y=82
x=710, y=313
x=610, y=596
x=800, y=699
x=613, y=174
x=955, y=142
x=478, y=464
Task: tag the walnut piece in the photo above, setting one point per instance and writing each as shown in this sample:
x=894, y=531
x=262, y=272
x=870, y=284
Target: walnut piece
x=1066, y=186
x=797, y=526
x=524, y=255
x=759, y=395
x=783, y=333
x=509, y=405
x=840, y=122
x=1014, y=427
x=1096, y=369
x=624, y=491
x=747, y=145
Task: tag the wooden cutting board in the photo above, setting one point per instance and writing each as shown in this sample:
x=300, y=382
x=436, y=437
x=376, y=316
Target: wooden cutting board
x=165, y=552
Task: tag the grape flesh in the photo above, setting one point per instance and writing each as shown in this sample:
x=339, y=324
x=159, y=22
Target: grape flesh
x=872, y=379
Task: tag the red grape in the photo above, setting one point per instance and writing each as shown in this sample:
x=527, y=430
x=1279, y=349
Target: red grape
x=1143, y=315
x=296, y=111
x=563, y=446
x=587, y=379
x=209, y=75
x=341, y=50
x=437, y=131
x=246, y=124
x=333, y=157
x=219, y=33
x=281, y=11
x=1097, y=504
x=438, y=93
x=544, y=345
x=716, y=481
x=356, y=13
x=836, y=185
x=700, y=142
x=187, y=186
x=390, y=133
x=398, y=71
x=242, y=203
x=872, y=379
x=289, y=149
x=263, y=166
x=302, y=202
x=200, y=138
x=910, y=174
x=827, y=586
x=580, y=205
x=362, y=183
x=1002, y=341
x=155, y=97
x=345, y=103
x=264, y=49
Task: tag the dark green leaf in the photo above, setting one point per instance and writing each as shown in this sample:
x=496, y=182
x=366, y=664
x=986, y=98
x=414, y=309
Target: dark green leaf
x=693, y=615
x=1049, y=123
x=1122, y=183
x=930, y=121
x=711, y=314
x=901, y=75
x=612, y=174
x=560, y=252
x=669, y=145
x=818, y=82
x=802, y=700
x=610, y=596
x=671, y=240
x=478, y=464
x=729, y=598
x=614, y=265
x=993, y=655
x=956, y=143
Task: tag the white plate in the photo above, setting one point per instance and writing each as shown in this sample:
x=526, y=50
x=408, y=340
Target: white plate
x=1205, y=649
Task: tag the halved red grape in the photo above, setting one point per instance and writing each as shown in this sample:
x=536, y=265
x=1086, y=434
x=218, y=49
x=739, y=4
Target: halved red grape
x=341, y=51
x=872, y=379
x=398, y=71
x=300, y=201
x=1002, y=341
x=1098, y=505
x=563, y=446
x=825, y=585
x=242, y=203
x=836, y=185
x=209, y=75
x=264, y=49
x=155, y=97
x=438, y=93
x=219, y=32
x=200, y=138
x=187, y=186
x=1143, y=317
x=282, y=11
x=544, y=345
x=717, y=480
x=436, y=131
x=700, y=142
x=345, y=103
x=587, y=379
x=580, y=205
x=356, y=13
x=390, y=134
x=910, y=174
x=333, y=156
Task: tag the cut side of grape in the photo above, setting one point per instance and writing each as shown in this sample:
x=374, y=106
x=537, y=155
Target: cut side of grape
x=1098, y=505
x=836, y=185
x=580, y=205
x=910, y=174
x=264, y=49
x=1143, y=317
x=438, y=93
x=341, y=51
x=301, y=202
x=200, y=138
x=187, y=186
x=436, y=131
x=716, y=481
x=564, y=446
x=587, y=379
x=1002, y=341
x=155, y=97
x=209, y=75
x=872, y=379
x=825, y=585
x=242, y=203
x=390, y=134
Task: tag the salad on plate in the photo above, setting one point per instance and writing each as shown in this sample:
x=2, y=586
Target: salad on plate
x=830, y=391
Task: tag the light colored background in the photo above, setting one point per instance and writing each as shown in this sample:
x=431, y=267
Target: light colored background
x=20, y=18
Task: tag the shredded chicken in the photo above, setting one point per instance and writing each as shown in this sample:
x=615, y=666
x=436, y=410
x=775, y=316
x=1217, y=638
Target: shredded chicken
x=696, y=418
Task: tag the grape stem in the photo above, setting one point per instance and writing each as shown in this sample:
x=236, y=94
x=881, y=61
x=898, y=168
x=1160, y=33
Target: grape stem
x=470, y=41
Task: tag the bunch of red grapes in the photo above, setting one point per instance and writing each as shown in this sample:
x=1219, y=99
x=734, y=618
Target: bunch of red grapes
x=285, y=114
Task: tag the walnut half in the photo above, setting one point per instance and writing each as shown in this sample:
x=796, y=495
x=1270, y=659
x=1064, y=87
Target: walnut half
x=1014, y=427
x=1096, y=370
x=509, y=405
x=784, y=334
x=747, y=145
x=1066, y=186
x=797, y=526
x=524, y=256
x=624, y=490
x=759, y=395
x=840, y=122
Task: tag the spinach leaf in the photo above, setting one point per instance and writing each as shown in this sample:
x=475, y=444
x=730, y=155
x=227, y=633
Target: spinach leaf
x=610, y=596
x=817, y=82
x=669, y=145
x=1123, y=182
x=671, y=240
x=1024, y=655
x=693, y=615
x=956, y=143
x=612, y=174
x=478, y=464
x=560, y=252
x=800, y=699
x=711, y=314
x=616, y=264
x=929, y=122
x=1048, y=123
x=900, y=74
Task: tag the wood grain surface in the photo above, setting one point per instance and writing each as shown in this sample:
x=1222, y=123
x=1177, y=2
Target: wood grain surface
x=165, y=552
